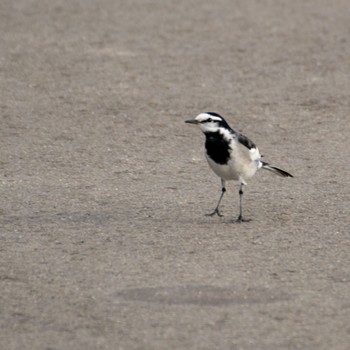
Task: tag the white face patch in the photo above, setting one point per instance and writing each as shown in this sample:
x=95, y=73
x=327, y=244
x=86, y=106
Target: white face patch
x=208, y=122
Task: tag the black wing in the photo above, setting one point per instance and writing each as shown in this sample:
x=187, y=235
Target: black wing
x=244, y=140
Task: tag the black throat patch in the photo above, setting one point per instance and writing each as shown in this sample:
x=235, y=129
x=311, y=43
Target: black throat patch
x=217, y=147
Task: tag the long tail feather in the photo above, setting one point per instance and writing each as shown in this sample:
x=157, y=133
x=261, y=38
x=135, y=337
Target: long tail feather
x=275, y=170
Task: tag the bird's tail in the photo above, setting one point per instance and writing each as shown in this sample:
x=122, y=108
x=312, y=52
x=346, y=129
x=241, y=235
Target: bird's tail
x=275, y=170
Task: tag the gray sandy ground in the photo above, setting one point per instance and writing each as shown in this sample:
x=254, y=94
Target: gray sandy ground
x=104, y=243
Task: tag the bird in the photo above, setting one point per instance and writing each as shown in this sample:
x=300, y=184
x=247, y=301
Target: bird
x=231, y=156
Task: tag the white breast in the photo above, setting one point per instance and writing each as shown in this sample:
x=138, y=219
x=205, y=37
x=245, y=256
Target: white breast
x=241, y=167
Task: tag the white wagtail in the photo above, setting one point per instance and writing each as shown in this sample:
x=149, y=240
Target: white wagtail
x=231, y=155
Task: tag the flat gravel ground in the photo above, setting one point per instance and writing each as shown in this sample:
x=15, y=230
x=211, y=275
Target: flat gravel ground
x=104, y=243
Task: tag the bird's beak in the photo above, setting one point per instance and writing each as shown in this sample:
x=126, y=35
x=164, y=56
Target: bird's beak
x=192, y=121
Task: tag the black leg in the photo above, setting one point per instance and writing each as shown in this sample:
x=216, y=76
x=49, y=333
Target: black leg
x=240, y=217
x=216, y=210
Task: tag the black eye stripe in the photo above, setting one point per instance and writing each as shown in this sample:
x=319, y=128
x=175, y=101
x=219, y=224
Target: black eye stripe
x=207, y=120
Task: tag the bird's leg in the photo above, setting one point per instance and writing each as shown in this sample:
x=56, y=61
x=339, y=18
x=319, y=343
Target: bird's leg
x=216, y=210
x=240, y=217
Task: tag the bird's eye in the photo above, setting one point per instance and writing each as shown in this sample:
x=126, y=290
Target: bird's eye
x=209, y=120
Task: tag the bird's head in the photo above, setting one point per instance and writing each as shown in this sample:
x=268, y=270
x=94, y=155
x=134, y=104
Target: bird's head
x=209, y=122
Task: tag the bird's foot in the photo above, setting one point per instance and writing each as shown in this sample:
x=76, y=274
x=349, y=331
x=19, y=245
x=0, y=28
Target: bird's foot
x=215, y=212
x=241, y=219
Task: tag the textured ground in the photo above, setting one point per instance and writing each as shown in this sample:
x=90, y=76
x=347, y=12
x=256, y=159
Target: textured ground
x=103, y=240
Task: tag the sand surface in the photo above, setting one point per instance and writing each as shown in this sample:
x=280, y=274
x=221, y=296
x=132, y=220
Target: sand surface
x=104, y=243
